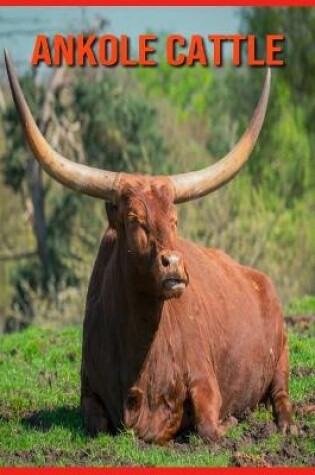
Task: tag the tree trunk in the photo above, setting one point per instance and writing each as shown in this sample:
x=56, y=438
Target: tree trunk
x=34, y=180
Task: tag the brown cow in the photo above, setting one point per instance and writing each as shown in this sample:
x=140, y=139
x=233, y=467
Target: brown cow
x=175, y=335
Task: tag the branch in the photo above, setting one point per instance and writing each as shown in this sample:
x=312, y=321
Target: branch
x=17, y=256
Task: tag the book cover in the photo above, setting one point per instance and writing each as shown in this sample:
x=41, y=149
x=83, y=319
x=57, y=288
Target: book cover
x=157, y=264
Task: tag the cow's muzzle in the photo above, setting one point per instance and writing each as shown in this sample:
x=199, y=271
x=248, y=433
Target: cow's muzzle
x=173, y=275
x=174, y=284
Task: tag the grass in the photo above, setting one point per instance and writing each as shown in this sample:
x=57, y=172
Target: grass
x=40, y=421
x=301, y=306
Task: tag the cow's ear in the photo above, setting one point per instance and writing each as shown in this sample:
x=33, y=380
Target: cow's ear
x=112, y=214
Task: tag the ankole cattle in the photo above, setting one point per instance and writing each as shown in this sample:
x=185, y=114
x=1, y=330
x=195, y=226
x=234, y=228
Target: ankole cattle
x=175, y=335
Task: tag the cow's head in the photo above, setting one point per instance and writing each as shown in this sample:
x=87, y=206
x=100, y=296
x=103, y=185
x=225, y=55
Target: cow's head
x=141, y=208
x=145, y=219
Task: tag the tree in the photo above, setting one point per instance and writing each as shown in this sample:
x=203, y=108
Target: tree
x=119, y=134
x=298, y=26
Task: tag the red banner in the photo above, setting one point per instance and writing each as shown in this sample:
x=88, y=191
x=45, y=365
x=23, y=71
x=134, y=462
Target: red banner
x=158, y=3
x=158, y=471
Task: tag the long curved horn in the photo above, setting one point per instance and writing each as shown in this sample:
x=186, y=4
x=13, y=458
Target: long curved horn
x=86, y=180
x=189, y=186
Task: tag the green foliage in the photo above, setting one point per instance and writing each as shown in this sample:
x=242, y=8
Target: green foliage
x=29, y=275
x=291, y=110
x=298, y=26
x=120, y=134
x=186, y=88
x=64, y=209
x=14, y=156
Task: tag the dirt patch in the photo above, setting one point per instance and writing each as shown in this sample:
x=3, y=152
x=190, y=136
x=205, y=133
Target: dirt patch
x=240, y=459
x=291, y=453
x=300, y=323
x=284, y=451
x=302, y=371
x=287, y=450
x=305, y=407
x=72, y=357
x=47, y=377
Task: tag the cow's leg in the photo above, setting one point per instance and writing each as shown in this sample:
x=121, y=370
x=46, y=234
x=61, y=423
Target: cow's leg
x=279, y=392
x=94, y=414
x=206, y=400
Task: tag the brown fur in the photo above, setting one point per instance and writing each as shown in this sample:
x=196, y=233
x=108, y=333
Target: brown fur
x=156, y=360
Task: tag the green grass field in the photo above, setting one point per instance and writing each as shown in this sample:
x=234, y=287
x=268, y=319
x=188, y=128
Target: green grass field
x=40, y=422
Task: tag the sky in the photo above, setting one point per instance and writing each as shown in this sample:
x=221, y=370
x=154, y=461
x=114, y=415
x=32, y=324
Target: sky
x=20, y=25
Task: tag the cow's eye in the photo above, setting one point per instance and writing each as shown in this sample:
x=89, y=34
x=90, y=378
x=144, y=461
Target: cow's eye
x=133, y=222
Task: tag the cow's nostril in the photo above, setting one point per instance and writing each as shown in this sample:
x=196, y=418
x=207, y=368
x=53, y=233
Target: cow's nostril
x=165, y=261
x=170, y=259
